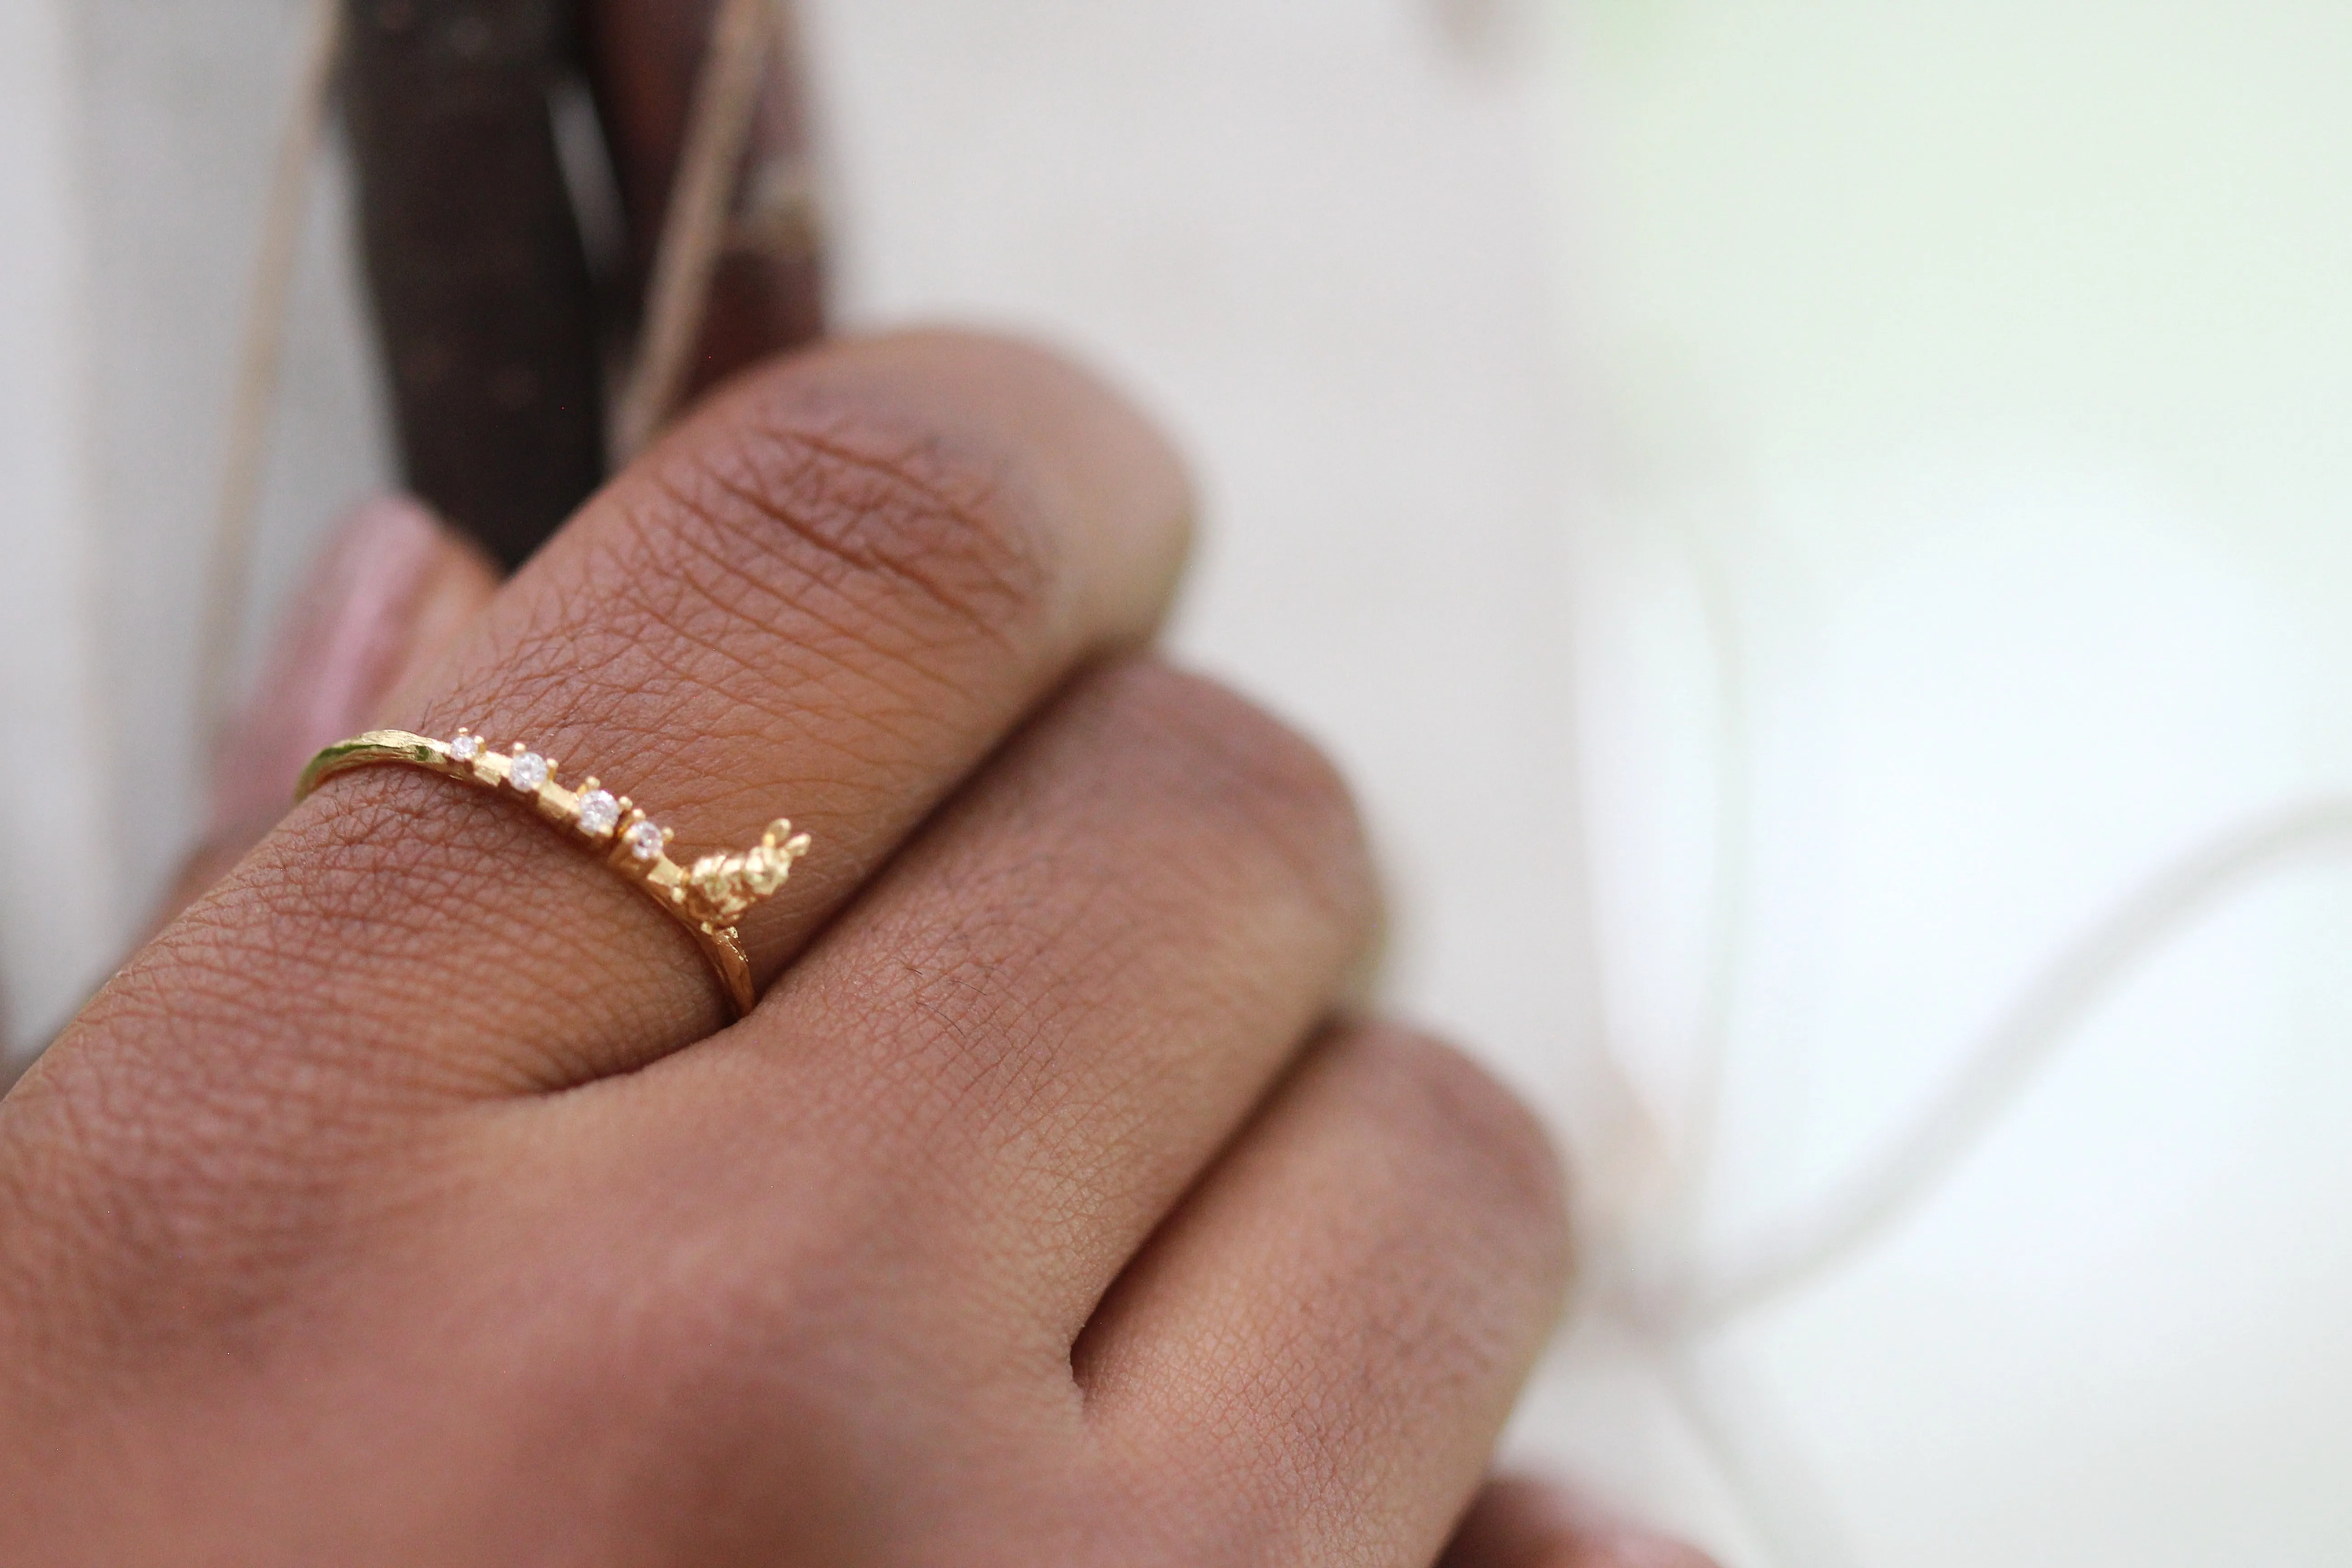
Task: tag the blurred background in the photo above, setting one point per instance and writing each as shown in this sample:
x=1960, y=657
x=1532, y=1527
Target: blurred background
x=1819, y=529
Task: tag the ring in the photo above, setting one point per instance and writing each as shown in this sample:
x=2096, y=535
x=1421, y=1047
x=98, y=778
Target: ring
x=706, y=898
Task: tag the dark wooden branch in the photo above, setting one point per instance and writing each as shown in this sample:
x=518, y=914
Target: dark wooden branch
x=483, y=296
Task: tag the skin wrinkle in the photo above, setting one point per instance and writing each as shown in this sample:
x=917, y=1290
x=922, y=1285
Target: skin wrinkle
x=676, y=624
x=800, y=728
x=678, y=612
x=1006, y=570
x=917, y=698
x=841, y=582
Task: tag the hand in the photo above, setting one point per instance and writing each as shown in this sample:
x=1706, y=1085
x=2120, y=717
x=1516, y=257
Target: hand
x=405, y=1201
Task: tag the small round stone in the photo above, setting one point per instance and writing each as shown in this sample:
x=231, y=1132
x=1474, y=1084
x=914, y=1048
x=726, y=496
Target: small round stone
x=598, y=812
x=644, y=840
x=466, y=748
x=528, y=772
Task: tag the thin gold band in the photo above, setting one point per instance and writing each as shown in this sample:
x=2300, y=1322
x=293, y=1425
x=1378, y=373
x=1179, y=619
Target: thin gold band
x=706, y=898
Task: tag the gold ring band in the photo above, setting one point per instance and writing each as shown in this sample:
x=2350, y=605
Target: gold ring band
x=706, y=898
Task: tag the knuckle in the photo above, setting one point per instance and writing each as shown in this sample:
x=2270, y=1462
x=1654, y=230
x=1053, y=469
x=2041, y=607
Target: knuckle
x=1254, y=768
x=1456, y=1119
x=832, y=511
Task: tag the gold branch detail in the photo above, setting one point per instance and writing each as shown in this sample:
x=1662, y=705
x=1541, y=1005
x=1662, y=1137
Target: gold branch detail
x=721, y=888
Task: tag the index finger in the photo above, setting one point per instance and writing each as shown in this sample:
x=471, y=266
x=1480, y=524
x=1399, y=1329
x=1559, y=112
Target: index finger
x=827, y=596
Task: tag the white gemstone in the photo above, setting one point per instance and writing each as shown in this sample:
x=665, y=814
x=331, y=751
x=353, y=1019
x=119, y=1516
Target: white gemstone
x=466, y=748
x=528, y=772
x=598, y=812
x=644, y=840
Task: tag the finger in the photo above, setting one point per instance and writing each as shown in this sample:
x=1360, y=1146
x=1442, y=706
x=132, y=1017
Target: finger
x=1063, y=998
x=1520, y=1522
x=767, y=289
x=393, y=588
x=828, y=595
x=1317, y=1351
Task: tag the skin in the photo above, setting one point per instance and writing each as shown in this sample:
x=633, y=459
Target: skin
x=408, y=1199
x=405, y=1199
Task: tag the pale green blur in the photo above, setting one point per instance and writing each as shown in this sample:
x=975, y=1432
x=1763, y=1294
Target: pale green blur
x=1996, y=360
